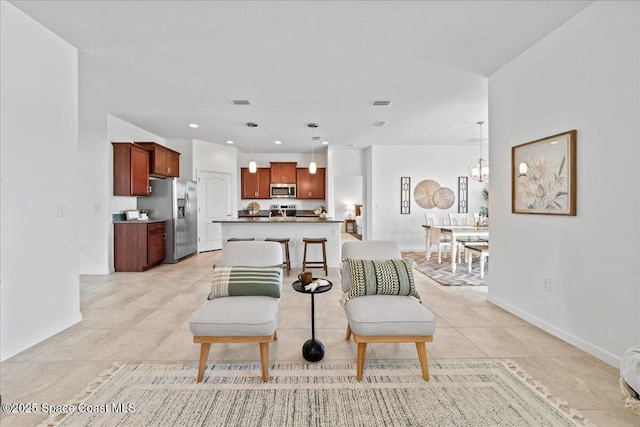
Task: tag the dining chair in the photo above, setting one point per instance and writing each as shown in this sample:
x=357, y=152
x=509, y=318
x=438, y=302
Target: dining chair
x=244, y=300
x=438, y=240
x=459, y=219
x=382, y=312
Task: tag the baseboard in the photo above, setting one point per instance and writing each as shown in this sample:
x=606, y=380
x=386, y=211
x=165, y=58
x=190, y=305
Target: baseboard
x=419, y=248
x=11, y=349
x=94, y=272
x=600, y=353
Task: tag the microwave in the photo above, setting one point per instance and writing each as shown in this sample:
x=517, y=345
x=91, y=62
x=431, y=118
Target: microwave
x=283, y=190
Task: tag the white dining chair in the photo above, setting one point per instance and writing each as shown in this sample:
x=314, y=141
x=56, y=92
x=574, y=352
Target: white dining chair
x=459, y=219
x=442, y=242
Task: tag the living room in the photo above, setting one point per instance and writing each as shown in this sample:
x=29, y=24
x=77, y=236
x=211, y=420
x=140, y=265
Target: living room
x=583, y=75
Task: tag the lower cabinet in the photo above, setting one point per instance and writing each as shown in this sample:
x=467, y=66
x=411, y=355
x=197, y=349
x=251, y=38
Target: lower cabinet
x=138, y=246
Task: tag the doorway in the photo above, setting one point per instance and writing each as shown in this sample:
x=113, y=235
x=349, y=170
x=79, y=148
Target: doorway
x=214, y=203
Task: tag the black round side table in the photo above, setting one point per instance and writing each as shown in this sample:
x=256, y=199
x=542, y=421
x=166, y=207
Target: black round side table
x=313, y=349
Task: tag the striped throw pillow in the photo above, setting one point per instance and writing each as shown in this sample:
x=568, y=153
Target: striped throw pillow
x=381, y=277
x=244, y=281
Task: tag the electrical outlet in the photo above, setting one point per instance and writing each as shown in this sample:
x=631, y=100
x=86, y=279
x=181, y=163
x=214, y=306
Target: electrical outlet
x=62, y=210
x=546, y=284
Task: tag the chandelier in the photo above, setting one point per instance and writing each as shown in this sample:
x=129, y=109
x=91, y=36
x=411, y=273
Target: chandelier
x=479, y=170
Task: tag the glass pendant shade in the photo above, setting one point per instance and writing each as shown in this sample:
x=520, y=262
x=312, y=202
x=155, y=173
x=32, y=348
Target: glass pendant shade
x=312, y=166
x=479, y=170
x=253, y=168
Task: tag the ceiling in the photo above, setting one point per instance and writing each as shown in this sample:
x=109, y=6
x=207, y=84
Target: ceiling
x=161, y=65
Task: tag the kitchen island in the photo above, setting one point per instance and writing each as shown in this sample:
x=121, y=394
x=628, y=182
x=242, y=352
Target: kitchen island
x=295, y=228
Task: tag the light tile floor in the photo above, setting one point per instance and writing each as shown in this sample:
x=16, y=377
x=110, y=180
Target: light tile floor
x=143, y=317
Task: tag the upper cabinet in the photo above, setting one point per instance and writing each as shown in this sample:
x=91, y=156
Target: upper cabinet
x=310, y=186
x=283, y=172
x=130, y=170
x=164, y=161
x=255, y=185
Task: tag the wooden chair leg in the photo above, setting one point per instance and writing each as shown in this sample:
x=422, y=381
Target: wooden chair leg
x=264, y=360
x=348, y=332
x=287, y=260
x=362, y=351
x=304, y=258
x=324, y=259
x=422, y=356
x=204, y=355
x=275, y=335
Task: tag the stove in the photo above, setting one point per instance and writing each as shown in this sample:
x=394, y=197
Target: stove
x=279, y=210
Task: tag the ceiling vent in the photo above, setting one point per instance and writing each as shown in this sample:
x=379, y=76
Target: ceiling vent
x=380, y=103
x=379, y=124
x=315, y=138
x=240, y=102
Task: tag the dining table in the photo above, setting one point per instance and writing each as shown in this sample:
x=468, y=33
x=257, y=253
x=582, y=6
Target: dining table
x=454, y=231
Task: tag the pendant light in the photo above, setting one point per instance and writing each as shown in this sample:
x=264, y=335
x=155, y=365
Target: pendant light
x=253, y=168
x=479, y=170
x=312, y=165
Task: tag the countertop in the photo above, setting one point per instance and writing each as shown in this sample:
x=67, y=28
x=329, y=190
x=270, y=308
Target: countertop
x=301, y=213
x=138, y=221
x=279, y=220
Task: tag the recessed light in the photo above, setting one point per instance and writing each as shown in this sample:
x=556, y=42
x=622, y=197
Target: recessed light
x=278, y=142
x=229, y=142
x=325, y=142
x=193, y=125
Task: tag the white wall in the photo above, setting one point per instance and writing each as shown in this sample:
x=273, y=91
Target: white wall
x=440, y=163
x=39, y=295
x=210, y=157
x=584, y=76
x=94, y=191
x=346, y=171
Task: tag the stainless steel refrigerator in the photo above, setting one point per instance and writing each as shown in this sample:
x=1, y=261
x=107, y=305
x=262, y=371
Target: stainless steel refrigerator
x=174, y=199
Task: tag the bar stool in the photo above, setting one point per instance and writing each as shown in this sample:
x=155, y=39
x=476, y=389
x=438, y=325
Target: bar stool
x=241, y=239
x=287, y=261
x=315, y=264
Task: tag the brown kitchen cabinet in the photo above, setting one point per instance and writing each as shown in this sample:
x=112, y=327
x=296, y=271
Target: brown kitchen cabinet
x=130, y=170
x=138, y=246
x=310, y=186
x=255, y=185
x=283, y=172
x=164, y=162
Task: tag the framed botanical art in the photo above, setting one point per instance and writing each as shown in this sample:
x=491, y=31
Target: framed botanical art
x=543, y=176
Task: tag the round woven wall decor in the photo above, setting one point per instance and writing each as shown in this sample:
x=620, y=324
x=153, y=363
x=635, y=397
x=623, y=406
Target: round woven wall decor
x=444, y=198
x=423, y=193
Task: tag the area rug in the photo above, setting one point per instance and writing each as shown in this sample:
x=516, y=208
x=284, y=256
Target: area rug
x=459, y=393
x=442, y=273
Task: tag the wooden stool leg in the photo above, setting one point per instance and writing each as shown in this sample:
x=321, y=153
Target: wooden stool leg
x=304, y=257
x=204, y=355
x=362, y=351
x=348, y=332
x=275, y=335
x=324, y=259
x=287, y=260
x=264, y=360
x=422, y=356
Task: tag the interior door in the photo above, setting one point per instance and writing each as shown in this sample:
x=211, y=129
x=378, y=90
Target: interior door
x=214, y=203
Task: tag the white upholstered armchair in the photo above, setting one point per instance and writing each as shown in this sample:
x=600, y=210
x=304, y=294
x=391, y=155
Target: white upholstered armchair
x=383, y=318
x=243, y=304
